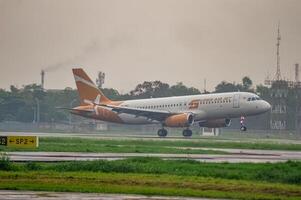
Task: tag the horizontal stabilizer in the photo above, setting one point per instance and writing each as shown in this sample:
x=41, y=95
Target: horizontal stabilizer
x=73, y=109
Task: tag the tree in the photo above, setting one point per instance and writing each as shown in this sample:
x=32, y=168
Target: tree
x=180, y=89
x=111, y=93
x=159, y=89
x=227, y=87
x=150, y=89
x=262, y=91
x=14, y=89
x=246, y=83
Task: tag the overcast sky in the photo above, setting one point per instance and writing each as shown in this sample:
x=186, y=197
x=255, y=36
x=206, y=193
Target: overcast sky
x=136, y=40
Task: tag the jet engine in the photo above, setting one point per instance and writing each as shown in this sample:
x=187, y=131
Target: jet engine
x=216, y=123
x=179, y=120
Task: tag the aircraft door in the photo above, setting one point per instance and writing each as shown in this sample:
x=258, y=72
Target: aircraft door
x=183, y=107
x=236, y=101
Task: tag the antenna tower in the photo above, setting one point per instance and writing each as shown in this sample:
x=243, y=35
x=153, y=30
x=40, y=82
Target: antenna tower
x=278, y=73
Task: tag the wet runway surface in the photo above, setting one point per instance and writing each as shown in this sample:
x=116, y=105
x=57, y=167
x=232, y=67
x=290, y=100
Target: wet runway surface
x=27, y=195
x=137, y=136
x=234, y=156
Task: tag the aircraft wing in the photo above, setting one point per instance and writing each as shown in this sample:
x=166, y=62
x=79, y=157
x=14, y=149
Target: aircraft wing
x=158, y=115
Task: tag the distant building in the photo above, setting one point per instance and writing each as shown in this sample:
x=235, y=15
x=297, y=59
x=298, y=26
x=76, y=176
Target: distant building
x=278, y=99
x=284, y=97
x=285, y=101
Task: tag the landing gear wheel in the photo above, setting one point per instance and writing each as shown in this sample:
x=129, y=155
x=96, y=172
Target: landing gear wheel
x=242, y=124
x=162, y=132
x=187, y=133
x=243, y=128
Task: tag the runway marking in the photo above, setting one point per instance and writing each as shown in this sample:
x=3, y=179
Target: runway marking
x=28, y=195
x=254, y=156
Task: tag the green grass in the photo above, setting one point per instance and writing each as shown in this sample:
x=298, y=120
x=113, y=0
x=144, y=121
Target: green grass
x=154, y=176
x=146, y=184
x=288, y=172
x=62, y=144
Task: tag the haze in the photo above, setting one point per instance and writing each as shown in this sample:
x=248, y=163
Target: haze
x=137, y=40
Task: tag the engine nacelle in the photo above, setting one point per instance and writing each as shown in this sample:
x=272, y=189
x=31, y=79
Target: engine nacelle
x=179, y=120
x=216, y=123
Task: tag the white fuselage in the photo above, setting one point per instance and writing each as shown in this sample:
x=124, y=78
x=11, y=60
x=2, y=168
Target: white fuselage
x=203, y=106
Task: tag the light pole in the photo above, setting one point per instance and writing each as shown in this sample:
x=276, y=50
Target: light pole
x=34, y=115
x=38, y=110
x=70, y=115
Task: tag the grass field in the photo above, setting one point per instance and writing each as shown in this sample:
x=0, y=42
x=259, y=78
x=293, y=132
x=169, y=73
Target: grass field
x=147, y=185
x=64, y=144
x=289, y=172
x=153, y=176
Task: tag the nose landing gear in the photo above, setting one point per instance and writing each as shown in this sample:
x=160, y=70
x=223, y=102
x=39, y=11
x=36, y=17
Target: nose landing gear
x=242, y=125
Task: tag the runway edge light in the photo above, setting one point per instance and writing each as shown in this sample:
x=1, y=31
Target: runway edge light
x=23, y=141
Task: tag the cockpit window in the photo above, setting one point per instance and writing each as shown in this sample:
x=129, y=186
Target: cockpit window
x=253, y=98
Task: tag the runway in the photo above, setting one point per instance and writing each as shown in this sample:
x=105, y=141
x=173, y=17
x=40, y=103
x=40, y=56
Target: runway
x=137, y=136
x=28, y=195
x=233, y=156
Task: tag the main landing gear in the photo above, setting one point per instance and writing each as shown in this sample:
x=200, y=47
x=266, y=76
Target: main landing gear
x=187, y=133
x=242, y=125
x=163, y=132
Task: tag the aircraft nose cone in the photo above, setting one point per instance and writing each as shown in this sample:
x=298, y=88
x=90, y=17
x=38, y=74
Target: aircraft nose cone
x=266, y=106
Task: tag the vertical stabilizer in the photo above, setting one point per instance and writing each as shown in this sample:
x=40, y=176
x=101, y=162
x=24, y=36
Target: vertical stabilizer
x=88, y=91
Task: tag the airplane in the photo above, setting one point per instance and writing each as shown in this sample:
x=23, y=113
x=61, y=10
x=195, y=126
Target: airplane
x=205, y=110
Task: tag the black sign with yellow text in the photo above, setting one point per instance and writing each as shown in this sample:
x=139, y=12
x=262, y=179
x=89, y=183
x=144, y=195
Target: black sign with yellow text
x=20, y=141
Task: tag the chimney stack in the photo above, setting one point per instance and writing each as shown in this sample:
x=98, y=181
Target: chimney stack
x=42, y=79
x=297, y=72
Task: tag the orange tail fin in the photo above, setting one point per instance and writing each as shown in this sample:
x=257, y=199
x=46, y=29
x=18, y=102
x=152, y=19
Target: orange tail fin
x=88, y=91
